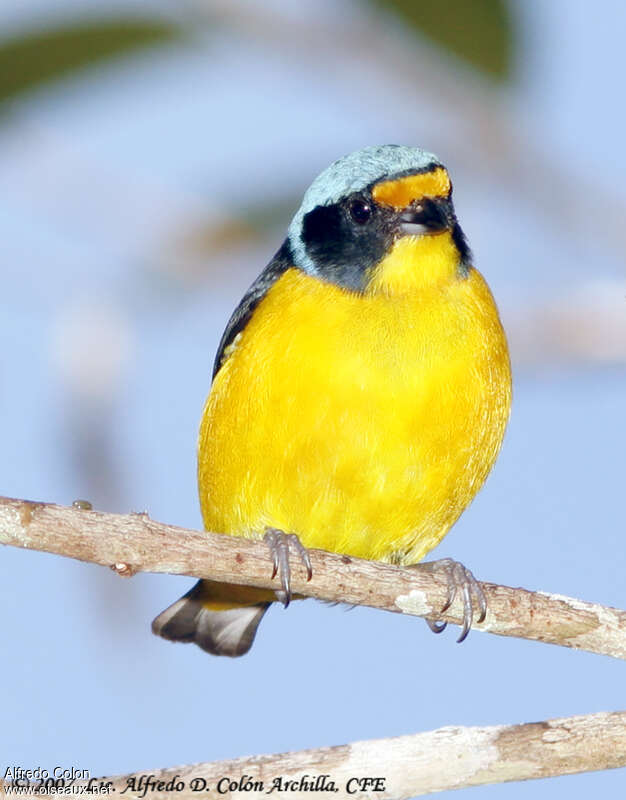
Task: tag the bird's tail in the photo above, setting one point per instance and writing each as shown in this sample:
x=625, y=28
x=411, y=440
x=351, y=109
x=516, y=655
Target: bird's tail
x=221, y=618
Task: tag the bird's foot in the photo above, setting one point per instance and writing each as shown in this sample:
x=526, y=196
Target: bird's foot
x=459, y=579
x=278, y=543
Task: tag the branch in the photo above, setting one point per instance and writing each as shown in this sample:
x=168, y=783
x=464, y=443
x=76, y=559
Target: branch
x=408, y=766
x=135, y=543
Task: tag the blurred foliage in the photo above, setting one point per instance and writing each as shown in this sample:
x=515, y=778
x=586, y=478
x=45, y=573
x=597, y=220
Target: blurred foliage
x=33, y=58
x=479, y=31
x=246, y=225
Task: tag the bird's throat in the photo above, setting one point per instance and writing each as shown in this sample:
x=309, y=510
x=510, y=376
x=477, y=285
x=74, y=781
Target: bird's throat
x=416, y=263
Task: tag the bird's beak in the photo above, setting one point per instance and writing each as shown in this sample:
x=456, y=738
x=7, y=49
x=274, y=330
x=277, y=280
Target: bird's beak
x=427, y=215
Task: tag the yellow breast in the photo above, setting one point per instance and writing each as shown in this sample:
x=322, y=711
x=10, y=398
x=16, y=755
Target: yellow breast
x=365, y=423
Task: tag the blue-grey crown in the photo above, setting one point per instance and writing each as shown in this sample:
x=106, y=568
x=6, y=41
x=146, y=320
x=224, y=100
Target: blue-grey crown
x=353, y=173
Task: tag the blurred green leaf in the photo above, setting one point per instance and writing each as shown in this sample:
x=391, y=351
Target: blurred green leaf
x=479, y=31
x=35, y=58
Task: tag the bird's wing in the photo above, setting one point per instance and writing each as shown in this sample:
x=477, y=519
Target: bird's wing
x=280, y=263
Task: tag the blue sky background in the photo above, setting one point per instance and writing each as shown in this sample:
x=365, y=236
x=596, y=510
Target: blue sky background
x=112, y=308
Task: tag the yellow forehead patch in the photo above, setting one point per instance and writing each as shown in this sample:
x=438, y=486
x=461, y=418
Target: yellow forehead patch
x=401, y=192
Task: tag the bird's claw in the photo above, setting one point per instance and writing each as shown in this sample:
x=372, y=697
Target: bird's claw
x=436, y=626
x=278, y=543
x=461, y=579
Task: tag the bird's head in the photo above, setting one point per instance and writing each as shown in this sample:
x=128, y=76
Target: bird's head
x=380, y=219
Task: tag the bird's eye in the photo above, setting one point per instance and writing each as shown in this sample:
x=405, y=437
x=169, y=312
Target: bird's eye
x=360, y=211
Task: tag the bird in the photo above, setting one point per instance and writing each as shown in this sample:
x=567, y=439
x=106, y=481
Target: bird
x=360, y=392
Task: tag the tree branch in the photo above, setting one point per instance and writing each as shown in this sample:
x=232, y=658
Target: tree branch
x=135, y=543
x=408, y=766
